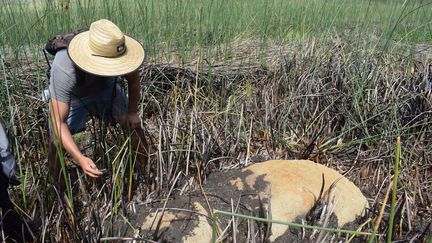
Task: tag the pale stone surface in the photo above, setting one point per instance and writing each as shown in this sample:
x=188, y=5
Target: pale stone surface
x=292, y=187
x=296, y=184
x=203, y=232
x=151, y=221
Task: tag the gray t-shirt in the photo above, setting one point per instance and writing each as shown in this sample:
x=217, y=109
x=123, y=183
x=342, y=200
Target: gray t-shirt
x=68, y=82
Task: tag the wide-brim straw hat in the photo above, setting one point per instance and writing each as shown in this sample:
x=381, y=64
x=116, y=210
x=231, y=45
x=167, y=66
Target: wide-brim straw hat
x=104, y=50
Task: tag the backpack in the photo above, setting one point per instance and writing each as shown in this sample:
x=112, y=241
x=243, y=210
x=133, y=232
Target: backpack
x=57, y=43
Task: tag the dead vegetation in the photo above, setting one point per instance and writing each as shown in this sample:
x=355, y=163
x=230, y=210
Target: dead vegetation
x=332, y=103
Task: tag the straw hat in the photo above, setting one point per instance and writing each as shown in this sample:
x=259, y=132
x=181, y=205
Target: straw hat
x=105, y=51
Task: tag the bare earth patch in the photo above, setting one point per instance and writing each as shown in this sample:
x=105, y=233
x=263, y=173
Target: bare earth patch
x=290, y=191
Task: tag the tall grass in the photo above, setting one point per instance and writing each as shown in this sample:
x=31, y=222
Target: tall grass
x=334, y=97
x=394, y=192
x=183, y=25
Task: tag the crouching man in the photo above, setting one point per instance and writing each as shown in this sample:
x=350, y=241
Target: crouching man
x=83, y=84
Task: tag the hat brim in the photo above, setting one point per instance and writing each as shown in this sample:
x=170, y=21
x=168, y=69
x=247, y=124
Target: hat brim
x=81, y=55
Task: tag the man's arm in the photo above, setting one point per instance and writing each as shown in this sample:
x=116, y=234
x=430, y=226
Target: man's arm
x=134, y=98
x=61, y=132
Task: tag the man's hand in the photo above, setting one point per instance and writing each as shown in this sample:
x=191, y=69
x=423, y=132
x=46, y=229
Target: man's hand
x=89, y=167
x=134, y=120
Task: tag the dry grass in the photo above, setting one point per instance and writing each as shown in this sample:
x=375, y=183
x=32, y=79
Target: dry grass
x=326, y=101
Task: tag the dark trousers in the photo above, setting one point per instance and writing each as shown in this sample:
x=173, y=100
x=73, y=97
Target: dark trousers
x=10, y=222
x=5, y=202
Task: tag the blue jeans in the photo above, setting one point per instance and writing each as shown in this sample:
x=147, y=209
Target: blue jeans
x=111, y=101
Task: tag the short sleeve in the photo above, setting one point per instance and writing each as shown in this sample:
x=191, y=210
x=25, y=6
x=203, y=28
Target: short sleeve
x=62, y=78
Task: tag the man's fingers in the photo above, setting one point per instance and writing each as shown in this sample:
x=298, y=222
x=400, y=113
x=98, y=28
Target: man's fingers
x=93, y=166
x=91, y=175
x=96, y=172
x=93, y=172
x=90, y=168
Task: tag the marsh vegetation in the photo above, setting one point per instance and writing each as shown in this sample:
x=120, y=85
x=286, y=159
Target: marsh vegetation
x=228, y=83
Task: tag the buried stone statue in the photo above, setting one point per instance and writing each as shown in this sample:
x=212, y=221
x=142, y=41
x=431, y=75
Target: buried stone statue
x=286, y=190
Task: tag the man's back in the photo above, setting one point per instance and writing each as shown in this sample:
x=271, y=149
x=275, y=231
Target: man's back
x=67, y=81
